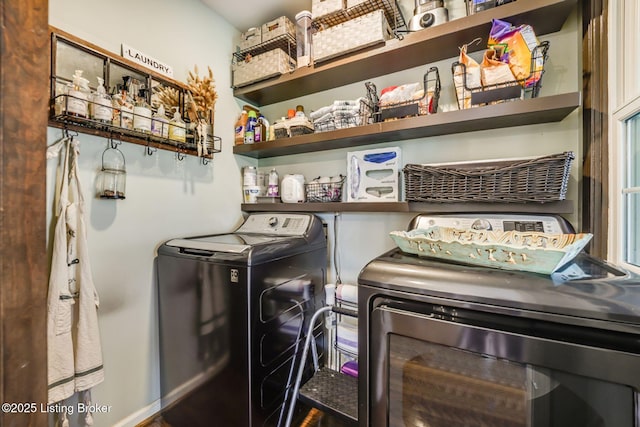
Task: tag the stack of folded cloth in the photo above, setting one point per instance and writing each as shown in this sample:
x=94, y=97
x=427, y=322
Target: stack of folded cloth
x=347, y=327
x=339, y=115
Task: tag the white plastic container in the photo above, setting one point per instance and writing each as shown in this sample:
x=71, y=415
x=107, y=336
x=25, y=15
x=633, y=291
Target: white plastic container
x=251, y=193
x=303, y=38
x=292, y=189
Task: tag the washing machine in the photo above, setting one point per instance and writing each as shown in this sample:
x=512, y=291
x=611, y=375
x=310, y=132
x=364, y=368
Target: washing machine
x=232, y=311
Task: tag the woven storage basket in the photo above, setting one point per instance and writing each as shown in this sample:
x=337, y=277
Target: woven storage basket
x=352, y=35
x=261, y=67
x=325, y=7
x=542, y=179
x=277, y=28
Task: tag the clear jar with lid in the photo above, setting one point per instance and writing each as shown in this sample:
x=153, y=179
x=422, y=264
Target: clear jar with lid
x=303, y=38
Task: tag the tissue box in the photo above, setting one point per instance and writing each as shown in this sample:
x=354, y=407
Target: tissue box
x=373, y=175
x=325, y=7
x=355, y=34
x=250, y=38
x=278, y=27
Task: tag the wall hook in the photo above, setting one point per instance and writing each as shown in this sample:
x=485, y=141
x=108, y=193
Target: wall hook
x=113, y=143
x=180, y=156
x=66, y=133
x=151, y=150
x=205, y=161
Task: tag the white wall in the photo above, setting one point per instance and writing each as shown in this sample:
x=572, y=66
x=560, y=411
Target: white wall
x=164, y=199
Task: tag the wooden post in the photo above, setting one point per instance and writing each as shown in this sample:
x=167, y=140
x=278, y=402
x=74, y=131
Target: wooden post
x=24, y=69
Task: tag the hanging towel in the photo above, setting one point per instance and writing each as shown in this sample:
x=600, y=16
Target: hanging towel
x=74, y=353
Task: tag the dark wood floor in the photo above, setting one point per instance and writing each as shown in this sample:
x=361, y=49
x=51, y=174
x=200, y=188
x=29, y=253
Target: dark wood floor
x=198, y=410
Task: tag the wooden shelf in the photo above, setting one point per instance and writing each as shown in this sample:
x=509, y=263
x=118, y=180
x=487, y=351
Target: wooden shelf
x=414, y=49
x=516, y=113
x=560, y=207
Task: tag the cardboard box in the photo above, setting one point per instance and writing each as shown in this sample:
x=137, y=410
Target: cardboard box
x=374, y=175
x=250, y=38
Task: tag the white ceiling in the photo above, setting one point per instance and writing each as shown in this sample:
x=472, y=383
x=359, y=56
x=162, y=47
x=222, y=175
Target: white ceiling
x=251, y=13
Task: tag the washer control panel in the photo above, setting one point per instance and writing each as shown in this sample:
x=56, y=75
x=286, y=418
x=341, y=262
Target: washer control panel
x=281, y=224
x=551, y=224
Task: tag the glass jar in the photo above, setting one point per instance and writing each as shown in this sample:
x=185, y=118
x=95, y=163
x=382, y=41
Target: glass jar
x=113, y=175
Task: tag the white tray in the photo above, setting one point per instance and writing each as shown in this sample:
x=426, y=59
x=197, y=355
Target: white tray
x=510, y=250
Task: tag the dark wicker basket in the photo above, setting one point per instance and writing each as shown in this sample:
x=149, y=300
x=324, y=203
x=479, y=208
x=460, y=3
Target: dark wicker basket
x=540, y=180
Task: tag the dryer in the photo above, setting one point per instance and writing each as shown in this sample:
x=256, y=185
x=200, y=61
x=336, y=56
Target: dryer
x=444, y=343
x=232, y=308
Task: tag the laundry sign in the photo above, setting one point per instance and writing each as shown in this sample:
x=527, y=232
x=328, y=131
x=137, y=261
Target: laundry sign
x=146, y=61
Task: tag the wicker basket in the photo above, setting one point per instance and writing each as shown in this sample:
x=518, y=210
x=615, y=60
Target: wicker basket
x=542, y=179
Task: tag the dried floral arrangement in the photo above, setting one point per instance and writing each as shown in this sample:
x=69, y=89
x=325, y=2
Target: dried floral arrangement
x=202, y=95
x=168, y=96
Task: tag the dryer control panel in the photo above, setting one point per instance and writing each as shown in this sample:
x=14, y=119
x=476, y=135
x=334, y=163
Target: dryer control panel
x=552, y=224
x=281, y=224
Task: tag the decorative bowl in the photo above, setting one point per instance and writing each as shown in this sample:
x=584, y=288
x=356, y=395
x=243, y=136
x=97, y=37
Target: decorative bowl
x=509, y=250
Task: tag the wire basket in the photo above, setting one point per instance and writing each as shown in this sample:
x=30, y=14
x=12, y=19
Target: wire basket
x=426, y=104
x=340, y=119
x=501, y=92
x=325, y=192
x=542, y=179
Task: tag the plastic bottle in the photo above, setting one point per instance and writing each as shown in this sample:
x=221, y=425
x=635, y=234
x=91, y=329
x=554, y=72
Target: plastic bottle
x=273, y=189
x=264, y=124
x=249, y=133
x=100, y=108
x=261, y=129
x=142, y=113
x=159, y=123
x=241, y=125
x=177, y=127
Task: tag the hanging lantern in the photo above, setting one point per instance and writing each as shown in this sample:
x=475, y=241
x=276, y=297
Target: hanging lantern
x=113, y=176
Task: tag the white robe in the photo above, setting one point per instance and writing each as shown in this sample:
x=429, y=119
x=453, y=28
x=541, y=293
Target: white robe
x=74, y=355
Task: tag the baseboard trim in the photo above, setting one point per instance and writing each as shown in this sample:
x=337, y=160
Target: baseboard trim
x=141, y=416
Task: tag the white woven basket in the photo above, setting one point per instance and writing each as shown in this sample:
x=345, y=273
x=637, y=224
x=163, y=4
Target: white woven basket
x=277, y=28
x=352, y=35
x=325, y=7
x=261, y=67
x=250, y=38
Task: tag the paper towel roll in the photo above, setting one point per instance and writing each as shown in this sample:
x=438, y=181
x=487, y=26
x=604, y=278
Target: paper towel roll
x=347, y=293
